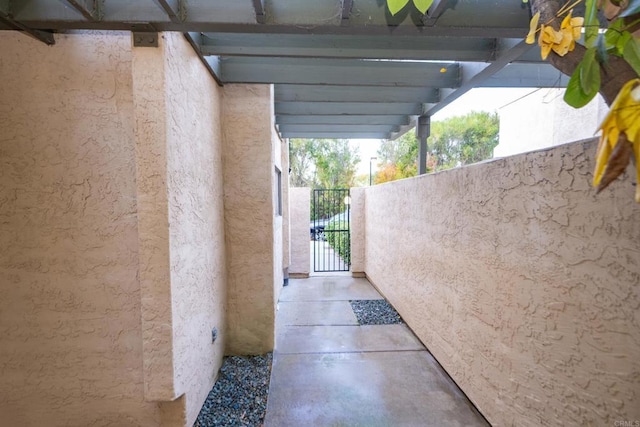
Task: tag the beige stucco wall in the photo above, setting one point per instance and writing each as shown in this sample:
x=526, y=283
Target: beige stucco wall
x=196, y=223
x=112, y=270
x=70, y=332
x=522, y=283
x=151, y=128
x=251, y=226
x=182, y=267
x=358, y=230
x=300, y=205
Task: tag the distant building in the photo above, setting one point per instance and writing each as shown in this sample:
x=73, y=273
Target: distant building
x=542, y=119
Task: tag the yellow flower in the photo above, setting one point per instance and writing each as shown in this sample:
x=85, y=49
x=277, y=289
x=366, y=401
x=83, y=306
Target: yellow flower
x=533, y=28
x=563, y=41
x=571, y=29
x=623, y=118
x=548, y=39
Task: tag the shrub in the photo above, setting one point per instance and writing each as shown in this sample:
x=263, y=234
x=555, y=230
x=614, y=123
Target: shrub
x=340, y=240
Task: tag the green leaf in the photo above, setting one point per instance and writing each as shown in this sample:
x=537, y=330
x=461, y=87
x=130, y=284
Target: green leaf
x=574, y=95
x=631, y=53
x=423, y=5
x=613, y=34
x=622, y=41
x=590, y=23
x=632, y=8
x=590, y=72
x=396, y=6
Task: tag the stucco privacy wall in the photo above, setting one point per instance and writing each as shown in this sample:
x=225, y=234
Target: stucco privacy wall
x=358, y=235
x=522, y=283
x=196, y=223
x=70, y=333
x=300, y=204
x=248, y=165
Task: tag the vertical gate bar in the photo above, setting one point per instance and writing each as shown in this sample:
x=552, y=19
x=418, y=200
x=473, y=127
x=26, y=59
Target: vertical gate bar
x=340, y=202
x=315, y=225
x=333, y=258
x=324, y=233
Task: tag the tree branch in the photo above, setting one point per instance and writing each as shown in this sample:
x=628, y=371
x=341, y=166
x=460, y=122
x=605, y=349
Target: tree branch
x=614, y=74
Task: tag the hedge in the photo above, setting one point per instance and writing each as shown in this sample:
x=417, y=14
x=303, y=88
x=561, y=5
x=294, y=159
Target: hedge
x=340, y=241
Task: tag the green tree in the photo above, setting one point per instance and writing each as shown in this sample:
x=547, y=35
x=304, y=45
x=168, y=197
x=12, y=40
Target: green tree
x=301, y=162
x=457, y=141
x=462, y=140
x=335, y=163
x=322, y=163
x=397, y=159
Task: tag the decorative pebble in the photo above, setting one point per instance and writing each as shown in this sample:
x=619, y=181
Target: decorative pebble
x=239, y=396
x=375, y=312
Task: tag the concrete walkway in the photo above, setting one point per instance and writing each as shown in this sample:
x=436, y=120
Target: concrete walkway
x=329, y=371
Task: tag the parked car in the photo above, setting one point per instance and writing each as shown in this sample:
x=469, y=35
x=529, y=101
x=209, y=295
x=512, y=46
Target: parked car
x=317, y=227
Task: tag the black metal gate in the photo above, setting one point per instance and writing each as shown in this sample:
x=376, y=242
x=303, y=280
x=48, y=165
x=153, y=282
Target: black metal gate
x=330, y=230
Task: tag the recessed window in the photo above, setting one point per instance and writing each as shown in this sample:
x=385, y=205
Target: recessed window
x=278, y=192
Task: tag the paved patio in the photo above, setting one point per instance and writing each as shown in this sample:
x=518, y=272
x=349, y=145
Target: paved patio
x=329, y=371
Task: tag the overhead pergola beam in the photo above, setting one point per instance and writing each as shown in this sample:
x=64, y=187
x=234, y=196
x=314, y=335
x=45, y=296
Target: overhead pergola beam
x=347, y=108
x=176, y=10
x=336, y=135
x=338, y=128
x=91, y=11
x=109, y=23
x=350, y=46
x=526, y=75
x=336, y=93
x=6, y=18
x=258, y=6
x=473, y=75
x=211, y=63
x=343, y=72
x=393, y=120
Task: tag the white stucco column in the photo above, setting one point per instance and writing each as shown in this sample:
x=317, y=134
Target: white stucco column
x=358, y=222
x=300, y=205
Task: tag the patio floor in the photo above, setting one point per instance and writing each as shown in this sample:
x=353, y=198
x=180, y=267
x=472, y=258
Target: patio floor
x=329, y=371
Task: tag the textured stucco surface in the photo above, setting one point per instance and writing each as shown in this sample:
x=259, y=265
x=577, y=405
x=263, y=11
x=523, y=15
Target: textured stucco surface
x=150, y=110
x=522, y=283
x=300, y=205
x=70, y=333
x=196, y=223
x=111, y=221
x=248, y=165
x=358, y=235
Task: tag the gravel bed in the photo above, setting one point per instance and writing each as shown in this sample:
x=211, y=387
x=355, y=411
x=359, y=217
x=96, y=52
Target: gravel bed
x=375, y=312
x=239, y=396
